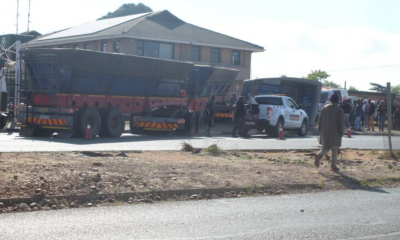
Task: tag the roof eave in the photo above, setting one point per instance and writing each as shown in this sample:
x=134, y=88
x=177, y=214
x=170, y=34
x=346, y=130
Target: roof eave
x=38, y=43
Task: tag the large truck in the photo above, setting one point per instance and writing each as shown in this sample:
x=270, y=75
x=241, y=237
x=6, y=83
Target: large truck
x=3, y=92
x=73, y=88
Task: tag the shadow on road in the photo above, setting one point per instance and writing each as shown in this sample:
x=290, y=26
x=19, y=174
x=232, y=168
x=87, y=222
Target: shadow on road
x=351, y=183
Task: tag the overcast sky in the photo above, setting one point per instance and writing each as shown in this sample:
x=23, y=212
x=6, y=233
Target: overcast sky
x=357, y=41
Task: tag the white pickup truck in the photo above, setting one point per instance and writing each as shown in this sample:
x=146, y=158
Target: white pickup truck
x=274, y=112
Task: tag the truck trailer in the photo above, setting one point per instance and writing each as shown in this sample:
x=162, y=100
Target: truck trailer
x=71, y=89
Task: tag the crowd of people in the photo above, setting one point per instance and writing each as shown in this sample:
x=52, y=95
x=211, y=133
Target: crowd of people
x=365, y=114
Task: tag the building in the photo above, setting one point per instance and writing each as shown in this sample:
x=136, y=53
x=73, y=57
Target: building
x=8, y=40
x=159, y=35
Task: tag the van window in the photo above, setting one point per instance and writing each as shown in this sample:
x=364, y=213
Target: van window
x=269, y=101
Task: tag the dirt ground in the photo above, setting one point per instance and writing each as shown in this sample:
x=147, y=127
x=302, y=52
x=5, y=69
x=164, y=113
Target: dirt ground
x=70, y=173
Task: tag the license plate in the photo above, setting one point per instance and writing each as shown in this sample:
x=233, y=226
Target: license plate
x=44, y=117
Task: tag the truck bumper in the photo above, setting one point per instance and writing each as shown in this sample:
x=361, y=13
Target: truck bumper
x=48, y=118
x=158, y=124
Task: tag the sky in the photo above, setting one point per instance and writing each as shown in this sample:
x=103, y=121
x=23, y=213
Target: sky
x=354, y=41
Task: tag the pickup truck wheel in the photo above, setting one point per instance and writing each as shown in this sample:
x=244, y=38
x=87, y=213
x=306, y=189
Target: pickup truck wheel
x=275, y=130
x=302, y=131
x=90, y=116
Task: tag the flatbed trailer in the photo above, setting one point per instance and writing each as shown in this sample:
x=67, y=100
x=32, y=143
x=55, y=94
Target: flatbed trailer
x=73, y=88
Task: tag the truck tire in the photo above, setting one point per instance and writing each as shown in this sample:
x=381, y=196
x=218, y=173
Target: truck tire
x=200, y=122
x=275, y=129
x=302, y=131
x=89, y=116
x=113, y=123
x=3, y=121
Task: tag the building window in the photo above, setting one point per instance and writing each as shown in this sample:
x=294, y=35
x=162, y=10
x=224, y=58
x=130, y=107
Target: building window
x=195, y=55
x=87, y=46
x=235, y=58
x=215, y=55
x=155, y=50
x=116, y=47
x=104, y=46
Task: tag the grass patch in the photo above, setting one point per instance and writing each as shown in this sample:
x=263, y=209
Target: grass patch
x=187, y=147
x=319, y=185
x=214, y=149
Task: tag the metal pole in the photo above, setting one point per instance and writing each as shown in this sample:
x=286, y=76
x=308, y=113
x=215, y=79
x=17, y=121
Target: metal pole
x=17, y=75
x=389, y=113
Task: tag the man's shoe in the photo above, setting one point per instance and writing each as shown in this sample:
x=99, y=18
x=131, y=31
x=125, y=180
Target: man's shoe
x=316, y=160
x=335, y=169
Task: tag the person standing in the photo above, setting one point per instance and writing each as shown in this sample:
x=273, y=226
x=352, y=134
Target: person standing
x=382, y=115
x=330, y=127
x=209, y=116
x=371, y=112
x=347, y=110
x=238, y=119
x=358, y=114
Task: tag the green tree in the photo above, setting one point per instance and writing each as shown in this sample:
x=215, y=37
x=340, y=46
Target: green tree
x=330, y=84
x=127, y=9
x=318, y=75
x=396, y=89
x=352, y=88
x=377, y=87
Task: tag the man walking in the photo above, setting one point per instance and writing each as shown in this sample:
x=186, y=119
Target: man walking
x=238, y=119
x=358, y=114
x=370, y=117
x=347, y=110
x=209, y=116
x=330, y=127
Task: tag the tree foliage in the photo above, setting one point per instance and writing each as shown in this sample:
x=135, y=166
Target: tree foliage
x=330, y=84
x=378, y=88
x=352, y=88
x=318, y=75
x=127, y=9
x=395, y=89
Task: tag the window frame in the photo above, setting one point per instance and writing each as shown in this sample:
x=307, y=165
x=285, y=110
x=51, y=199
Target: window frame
x=141, y=48
x=232, y=57
x=117, y=45
x=212, y=55
x=104, y=44
x=198, y=52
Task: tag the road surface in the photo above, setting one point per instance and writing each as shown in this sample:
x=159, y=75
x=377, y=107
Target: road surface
x=128, y=142
x=332, y=215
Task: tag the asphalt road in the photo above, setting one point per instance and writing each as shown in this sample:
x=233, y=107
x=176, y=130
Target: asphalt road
x=128, y=142
x=332, y=215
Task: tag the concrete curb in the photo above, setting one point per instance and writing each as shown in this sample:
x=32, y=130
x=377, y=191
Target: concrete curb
x=164, y=194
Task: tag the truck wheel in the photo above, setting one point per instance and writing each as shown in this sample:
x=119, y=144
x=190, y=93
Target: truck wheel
x=275, y=130
x=113, y=123
x=90, y=116
x=302, y=131
x=200, y=122
x=3, y=121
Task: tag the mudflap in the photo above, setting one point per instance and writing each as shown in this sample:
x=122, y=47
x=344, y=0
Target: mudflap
x=26, y=132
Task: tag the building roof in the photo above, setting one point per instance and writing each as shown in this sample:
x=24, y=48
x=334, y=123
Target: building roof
x=159, y=26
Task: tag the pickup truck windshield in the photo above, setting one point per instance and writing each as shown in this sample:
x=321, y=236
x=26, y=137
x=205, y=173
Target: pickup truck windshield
x=269, y=101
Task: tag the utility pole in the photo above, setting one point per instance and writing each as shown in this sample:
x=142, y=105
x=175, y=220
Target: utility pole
x=389, y=113
x=17, y=15
x=29, y=14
